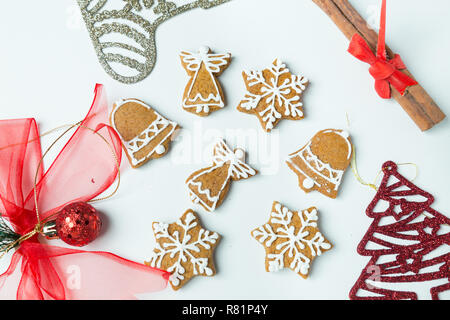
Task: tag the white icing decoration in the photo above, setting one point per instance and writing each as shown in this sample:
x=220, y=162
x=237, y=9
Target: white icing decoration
x=152, y=131
x=274, y=93
x=183, y=246
x=203, y=50
x=301, y=171
x=237, y=170
x=160, y=149
x=317, y=166
x=212, y=63
x=240, y=154
x=308, y=183
x=289, y=242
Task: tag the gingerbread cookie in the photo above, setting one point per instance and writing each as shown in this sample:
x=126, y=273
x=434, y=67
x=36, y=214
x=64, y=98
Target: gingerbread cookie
x=273, y=94
x=209, y=186
x=184, y=249
x=291, y=239
x=203, y=93
x=321, y=164
x=145, y=134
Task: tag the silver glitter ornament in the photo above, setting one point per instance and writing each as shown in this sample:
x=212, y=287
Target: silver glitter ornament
x=123, y=32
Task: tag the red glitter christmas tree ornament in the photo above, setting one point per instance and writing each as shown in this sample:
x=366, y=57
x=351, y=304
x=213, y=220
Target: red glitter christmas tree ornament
x=408, y=242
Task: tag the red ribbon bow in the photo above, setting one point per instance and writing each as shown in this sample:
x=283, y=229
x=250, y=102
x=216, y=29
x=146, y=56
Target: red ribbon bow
x=82, y=170
x=386, y=72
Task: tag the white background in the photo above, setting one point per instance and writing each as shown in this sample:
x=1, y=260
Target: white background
x=48, y=69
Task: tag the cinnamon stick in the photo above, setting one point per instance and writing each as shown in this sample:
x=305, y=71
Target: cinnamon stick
x=416, y=101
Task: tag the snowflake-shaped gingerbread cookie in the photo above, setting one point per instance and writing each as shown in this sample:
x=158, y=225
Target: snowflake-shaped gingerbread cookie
x=184, y=249
x=291, y=239
x=273, y=94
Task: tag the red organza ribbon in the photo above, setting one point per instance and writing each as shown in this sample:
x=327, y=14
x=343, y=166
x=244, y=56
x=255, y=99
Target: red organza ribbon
x=386, y=72
x=82, y=170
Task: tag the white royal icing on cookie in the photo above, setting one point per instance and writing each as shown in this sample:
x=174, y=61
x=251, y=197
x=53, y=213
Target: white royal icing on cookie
x=276, y=95
x=160, y=149
x=212, y=63
x=308, y=183
x=318, y=166
x=183, y=247
x=240, y=154
x=237, y=170
x=145, y=137
x=204, y=50
x=291, y=242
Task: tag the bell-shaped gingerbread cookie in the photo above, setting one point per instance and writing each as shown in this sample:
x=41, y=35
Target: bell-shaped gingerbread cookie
x=321, y=163
x=145, y=134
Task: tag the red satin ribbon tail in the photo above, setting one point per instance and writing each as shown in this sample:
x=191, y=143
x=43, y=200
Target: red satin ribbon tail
x=383, y=89
x=381, y=47
x=401, y=81
x=360, y=49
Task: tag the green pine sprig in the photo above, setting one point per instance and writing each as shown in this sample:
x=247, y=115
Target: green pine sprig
x=7, y=235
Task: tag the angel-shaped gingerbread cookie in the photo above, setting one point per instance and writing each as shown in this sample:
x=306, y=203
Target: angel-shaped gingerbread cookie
x=209, y=186
x=203, y=93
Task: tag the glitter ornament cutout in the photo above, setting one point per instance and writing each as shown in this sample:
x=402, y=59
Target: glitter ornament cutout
x=408, y=242
x=123, y=32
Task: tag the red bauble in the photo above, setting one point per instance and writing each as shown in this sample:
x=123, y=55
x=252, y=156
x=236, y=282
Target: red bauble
x=78, y=224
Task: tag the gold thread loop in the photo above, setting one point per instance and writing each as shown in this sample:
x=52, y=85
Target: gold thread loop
x=358, y=177
x=410, y=164
x=374, y=184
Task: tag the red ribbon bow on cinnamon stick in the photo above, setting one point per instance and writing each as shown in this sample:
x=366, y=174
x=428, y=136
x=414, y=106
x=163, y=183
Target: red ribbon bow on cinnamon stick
x=82, y=170
x=386, y=72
